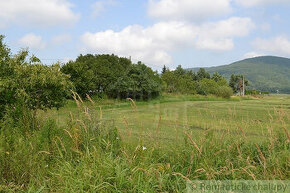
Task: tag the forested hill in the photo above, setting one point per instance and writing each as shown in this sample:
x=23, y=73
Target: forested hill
x=267, y=73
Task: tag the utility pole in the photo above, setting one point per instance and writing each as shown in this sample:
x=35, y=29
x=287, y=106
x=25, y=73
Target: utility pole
x=243, y=85
x=240, y=84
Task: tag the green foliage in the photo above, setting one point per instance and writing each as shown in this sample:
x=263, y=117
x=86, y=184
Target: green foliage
x=236, y=82
x=4, y=59
x=93, y=74
x=113, y=76
x=178, y=82
x=211, y=87
x=201, y=74
x=164, y=70
x=223, y=91
x=138, y=82
x=30, y=83
x=207, y=87
x=187, y=82
x=217, y=77
x=256, y=92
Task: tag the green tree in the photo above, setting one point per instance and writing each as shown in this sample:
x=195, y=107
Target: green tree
x=236, y=82
x=5, y=66
x=164, y=69
x=138, y=82
x=30, y=83
x=179, y=81
x=201, y=74
x=179, y=71
x=217, y=77
x=93, y=74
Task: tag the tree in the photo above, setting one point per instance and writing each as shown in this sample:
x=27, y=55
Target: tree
x=93, y=74
x=30, y=83
x=192, y=75
x=139, y=82
x=179, y=71
x=201, y=74
x=164, y=69
x=179, y=81
x=236, y=82
x=5, y=67
x=217, y=77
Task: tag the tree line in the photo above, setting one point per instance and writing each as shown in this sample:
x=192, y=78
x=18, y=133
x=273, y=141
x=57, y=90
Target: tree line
x=24, y=80
x=189, y=82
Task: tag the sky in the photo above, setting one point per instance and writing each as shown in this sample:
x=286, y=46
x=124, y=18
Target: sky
x=191, y=33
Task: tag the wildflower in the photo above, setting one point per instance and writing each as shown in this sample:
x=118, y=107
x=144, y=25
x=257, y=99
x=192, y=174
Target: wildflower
x=144, y=148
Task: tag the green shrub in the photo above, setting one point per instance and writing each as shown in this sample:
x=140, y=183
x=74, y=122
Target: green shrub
x=224, y=92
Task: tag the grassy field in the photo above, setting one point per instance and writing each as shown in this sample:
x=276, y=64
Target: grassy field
x=171, y=115
x=157, y=146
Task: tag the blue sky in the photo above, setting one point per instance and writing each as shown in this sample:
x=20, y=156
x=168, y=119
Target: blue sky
x=193, y=33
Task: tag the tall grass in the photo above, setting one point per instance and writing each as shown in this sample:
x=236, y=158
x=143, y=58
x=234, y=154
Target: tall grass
x=89, y=154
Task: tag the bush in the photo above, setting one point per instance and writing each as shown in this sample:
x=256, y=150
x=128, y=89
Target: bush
x=224, y=92
x=219, y=89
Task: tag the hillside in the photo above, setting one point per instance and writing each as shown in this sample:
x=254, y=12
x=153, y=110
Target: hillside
x=267, y=73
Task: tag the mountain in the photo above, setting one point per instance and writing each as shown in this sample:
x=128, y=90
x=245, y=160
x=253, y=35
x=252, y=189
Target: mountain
x=266, y=73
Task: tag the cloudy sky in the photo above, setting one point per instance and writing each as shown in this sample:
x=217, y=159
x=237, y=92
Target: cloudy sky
x=192, y=33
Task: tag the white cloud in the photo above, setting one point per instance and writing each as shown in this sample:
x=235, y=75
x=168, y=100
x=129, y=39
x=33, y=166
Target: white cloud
x=100, y=6
x=277, y=45
x=189, y=10
x=61, y=39
x=252, y=55
x=131, y=41
x=251, y=3
x=44, y=13
x=153, y=44
x=219, y=35
x=32, y=41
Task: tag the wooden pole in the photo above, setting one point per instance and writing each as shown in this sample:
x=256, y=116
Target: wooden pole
x=240, y=84
x=243, y=85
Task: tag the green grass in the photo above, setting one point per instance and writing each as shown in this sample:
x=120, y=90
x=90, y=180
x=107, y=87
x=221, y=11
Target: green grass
x=251, y=117
x=157, y=146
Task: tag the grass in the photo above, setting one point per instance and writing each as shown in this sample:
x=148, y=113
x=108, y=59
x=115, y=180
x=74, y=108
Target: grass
x=175, y=113
x=155, y=146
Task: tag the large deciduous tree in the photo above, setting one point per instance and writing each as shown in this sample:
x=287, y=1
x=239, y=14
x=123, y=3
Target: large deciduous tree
x=93, y=74
x=138, y=82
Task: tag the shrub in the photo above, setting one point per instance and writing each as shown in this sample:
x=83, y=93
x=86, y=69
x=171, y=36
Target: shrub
x=219, y=89
x=224, y=92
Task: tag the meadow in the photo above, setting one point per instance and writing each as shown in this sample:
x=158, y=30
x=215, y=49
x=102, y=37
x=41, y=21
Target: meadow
x=105, y=145
x=171, y=113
